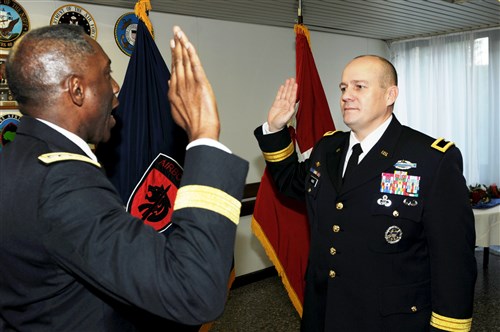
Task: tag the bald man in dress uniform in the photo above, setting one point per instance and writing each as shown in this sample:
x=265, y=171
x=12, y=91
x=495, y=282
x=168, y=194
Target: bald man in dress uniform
x=392, y=236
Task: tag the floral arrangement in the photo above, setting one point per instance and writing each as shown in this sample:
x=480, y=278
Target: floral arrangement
x=481, y=194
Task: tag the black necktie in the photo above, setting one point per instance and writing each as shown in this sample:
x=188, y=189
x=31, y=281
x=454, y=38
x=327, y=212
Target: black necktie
x=353, y=160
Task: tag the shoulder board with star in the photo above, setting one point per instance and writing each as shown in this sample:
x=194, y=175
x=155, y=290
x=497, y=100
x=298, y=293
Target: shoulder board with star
x=442, y=145
x=54, y=157
x=332, y=132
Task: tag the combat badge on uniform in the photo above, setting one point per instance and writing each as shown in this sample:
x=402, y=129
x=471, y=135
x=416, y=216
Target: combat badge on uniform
x=404, y=165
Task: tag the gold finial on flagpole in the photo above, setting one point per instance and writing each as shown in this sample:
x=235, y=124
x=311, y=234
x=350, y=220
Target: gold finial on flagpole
x=141, y=9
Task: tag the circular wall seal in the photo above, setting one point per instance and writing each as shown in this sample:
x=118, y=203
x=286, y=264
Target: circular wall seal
x=72, y=14
x=125, y=32
x=14, y=22
x=8, y=128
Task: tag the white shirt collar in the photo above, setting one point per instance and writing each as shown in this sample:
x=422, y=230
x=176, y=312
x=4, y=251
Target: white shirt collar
x=73, y=138
x=367, y=143
x=370, y=140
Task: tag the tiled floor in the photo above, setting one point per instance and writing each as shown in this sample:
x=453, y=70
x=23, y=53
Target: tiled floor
x=487, y=296
x=264, y=305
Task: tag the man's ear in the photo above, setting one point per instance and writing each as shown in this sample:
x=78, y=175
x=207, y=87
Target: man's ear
x=76, y=89
x=392, y=95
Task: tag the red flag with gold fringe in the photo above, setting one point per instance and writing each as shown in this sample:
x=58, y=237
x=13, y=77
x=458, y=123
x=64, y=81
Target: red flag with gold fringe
x=280, y=223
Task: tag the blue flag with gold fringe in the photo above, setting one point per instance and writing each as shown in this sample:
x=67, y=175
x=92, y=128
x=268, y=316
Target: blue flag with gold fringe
x=145, y=154
x=145, y=127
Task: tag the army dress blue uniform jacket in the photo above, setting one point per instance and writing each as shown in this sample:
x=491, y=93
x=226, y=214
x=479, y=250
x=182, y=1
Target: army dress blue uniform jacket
x=382, y=258
x=72, y=258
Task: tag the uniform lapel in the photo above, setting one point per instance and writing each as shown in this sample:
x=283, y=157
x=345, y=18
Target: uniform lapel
x=378, y=159
x=335, y=160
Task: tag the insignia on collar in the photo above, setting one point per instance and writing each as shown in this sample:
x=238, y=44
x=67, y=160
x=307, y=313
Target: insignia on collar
x=315, y=172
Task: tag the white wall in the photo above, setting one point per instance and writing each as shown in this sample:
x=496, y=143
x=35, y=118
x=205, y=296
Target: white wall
x=245, y=63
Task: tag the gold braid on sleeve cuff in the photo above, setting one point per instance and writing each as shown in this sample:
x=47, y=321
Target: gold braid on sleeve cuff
x=213, y=199
x=450, y=324
x=280, y=155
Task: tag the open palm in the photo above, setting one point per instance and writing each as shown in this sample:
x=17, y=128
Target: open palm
x=283, y=106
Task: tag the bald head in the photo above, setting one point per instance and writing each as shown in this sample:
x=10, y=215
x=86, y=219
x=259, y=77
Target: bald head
x=388, y=74
x=369, y=91
x=42, y=59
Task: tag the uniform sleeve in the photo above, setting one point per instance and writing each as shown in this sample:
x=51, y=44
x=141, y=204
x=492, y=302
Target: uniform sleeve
x=182, y=276
x=450, y=232
x=282, y=162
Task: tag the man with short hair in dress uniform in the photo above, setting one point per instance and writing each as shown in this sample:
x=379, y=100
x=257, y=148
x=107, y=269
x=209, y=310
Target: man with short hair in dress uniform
x=71, y=257
x=392, y=229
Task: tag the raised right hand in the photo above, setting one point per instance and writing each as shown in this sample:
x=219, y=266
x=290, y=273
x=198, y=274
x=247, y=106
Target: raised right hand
x=192, y=99
x=283, y=107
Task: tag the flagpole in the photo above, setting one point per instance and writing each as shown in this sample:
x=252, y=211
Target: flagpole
x=299, y=13
x=299, y=27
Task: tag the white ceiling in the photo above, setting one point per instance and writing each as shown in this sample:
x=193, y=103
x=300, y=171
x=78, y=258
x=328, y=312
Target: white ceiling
x=379, y=19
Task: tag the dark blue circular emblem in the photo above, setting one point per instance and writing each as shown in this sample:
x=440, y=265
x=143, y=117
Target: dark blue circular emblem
x=125, y=32
x=76, y=15
x=13, y=22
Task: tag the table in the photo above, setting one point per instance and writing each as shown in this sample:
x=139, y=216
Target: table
x=487, y=223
